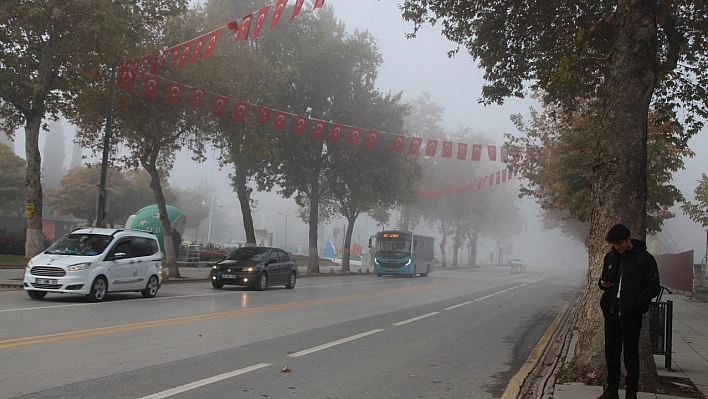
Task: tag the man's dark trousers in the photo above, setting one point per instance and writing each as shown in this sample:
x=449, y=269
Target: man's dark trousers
x=622, y=331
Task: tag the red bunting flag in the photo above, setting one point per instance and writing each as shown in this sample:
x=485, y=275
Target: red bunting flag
x=212, y=43
x=462, y=151
x=240, y=111
x=354, y=136
x=175, y=54
x=503, y=175
x=491, y=179
x=174, y=92
x=217, y=107
x=476, y=152
x=447, y=149
x=431, y=148
x=371, y=139
x=279, y=120
x=198, y=49
x=146, y=65
x=498, y=177
x=398, y=141
x=263, y=114
x=300, y=125
x=318, y=129
x=492, y=152
x=414, y=148
x=186, y=50
x=244, y=28
x=318, y=4
x=260, y=20
x=297, y=8
x=150, y=85
x=503, y=153
x=197, y=97
x=233, y=26
x=165, y=53
x=126, y=76
x=336, y=133
x=153, y=64
x=279, y=8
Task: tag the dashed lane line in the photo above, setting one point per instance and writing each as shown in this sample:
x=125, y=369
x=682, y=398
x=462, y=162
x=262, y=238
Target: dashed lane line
x=334, y=343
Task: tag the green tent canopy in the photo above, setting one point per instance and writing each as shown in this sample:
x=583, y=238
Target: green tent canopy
x=148, y=219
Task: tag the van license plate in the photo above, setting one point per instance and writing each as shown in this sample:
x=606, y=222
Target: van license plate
x=231, y=276
x=45, y=281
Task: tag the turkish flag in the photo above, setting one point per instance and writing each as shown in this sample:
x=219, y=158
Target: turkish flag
x=211, y=44
x=431, y=148
x=300, y=125
x=165, y=53
x=233, y=26
x=492, y=152
x=197, y=97
x=336, y=133
x=185, y=53
x=279, y=120
x=503, y=175
x=175, y=54
x=318, y=4
x=240, y=111
x=503, y=153
x=244, y=28
x=498, y=177
x=263, y=114
x=150, y=85
x=279, y=8
x=318, y=128
x=260, y=20
x=447, y=149
x=153, y=64
x=297, y=8
x=354, y=136
x=491, y=179
x=174, y=92
x=217, y=107
x=126, y=76
x=414, y=148
x=146, y=65
x=197, y=49
x=476, y=152
x=371, y=139
x=462, y=151
x=398, y=141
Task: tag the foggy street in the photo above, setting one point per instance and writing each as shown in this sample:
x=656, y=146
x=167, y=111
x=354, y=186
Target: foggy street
x=460, y=333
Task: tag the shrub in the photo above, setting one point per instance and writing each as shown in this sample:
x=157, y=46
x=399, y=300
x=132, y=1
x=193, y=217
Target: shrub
x=12, y=242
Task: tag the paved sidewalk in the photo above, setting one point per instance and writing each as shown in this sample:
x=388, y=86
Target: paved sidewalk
x=689, y=358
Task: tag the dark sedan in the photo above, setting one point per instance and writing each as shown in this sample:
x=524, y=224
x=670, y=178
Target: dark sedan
x=255, y=267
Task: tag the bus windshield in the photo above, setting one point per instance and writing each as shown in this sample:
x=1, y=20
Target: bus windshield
x=393, y=245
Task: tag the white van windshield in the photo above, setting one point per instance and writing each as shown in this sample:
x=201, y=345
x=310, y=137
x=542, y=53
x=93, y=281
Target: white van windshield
x=80, y=245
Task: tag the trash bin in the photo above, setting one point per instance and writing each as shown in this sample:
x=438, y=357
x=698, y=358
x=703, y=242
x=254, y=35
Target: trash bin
x=660, y=329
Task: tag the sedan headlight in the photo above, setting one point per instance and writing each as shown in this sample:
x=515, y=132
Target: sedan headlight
x=215, y=267
x=250, y=269
x=80, y=266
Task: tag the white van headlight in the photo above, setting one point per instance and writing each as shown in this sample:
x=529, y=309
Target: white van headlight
x=79, y=266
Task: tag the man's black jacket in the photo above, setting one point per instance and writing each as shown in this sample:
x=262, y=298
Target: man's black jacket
x=640, y=280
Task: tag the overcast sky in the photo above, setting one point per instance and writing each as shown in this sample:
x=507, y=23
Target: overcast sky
x=421, y=64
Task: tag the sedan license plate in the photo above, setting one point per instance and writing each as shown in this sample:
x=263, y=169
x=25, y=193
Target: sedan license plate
x=45, y=281
x=231, y=276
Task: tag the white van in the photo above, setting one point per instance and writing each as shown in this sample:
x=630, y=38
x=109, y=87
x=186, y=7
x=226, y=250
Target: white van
x=93, y=262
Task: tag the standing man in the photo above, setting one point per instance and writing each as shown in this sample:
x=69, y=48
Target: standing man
x=630, y=279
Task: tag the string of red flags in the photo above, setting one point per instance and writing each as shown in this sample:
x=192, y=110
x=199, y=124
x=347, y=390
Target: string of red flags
x=189, y=51
x=337, y=131
x=500, y=177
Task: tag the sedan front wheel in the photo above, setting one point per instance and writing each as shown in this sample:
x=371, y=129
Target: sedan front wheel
x=262, y=282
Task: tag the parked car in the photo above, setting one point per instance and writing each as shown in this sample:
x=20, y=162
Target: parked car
x=93, y=262
x=255, y=267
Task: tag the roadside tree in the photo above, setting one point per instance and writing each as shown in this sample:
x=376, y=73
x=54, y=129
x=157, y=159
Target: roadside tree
x=12, y=185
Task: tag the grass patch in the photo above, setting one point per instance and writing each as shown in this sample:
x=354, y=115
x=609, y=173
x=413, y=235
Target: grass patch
x=12, y=260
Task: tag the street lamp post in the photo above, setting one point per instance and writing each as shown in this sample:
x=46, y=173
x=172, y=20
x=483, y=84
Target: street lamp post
x=285, y=240
x=211, y=213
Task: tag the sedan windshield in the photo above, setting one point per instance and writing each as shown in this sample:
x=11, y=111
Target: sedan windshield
x=249, y=253
x=80, y=245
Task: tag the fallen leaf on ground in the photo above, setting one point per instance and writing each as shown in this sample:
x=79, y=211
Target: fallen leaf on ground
x=286, y=369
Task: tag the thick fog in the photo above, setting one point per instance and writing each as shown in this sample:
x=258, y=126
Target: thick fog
x=414, y=66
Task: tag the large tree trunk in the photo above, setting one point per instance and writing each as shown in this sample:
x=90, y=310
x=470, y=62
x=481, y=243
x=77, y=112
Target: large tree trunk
x=244, y=199
x=456, y=244
x=473, y=247
x=34, y=244
x=619, y=188
x=443, y=259
x=156, y=187
x=313, y=262
x=346, y=251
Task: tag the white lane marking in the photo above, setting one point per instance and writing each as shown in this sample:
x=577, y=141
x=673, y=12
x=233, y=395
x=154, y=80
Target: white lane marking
x=500, y=292
x=333, y=343
x=400, y=323
x=513, y=288
x=484, y=297
x=458, y=305
x=206, y=381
